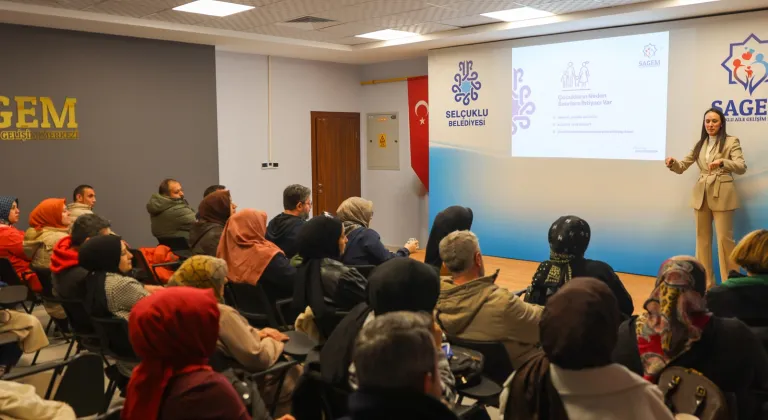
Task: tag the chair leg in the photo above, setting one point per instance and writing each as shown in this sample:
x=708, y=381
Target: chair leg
x=34, y=359
x=56, y=373
x=109, y=394
x=69, y=349
x=48, y=327
x=277, y=393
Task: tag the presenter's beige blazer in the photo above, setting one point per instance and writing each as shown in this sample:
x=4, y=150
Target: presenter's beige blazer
x=716, y=184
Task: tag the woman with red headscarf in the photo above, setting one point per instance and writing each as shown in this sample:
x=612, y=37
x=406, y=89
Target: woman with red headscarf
x=174, y=332
x=12, y=241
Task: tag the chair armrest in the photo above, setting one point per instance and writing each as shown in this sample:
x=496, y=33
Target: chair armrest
x=298, y=344
x=257, y=318
x=8, y=338
x=276, y=368
x=484, y=390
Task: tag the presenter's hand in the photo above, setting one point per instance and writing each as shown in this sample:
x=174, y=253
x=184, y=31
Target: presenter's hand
x=716, y=164
x=670, y=161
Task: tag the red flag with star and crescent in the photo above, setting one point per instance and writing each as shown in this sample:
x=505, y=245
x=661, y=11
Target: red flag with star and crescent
x=418, y=121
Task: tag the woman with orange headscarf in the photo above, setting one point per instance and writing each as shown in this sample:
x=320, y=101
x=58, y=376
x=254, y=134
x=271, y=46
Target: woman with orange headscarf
x=48, y=223
x=251, y=257
x=174, y=332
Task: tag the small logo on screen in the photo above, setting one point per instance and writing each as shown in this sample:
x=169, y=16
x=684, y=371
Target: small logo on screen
x=649, y=51
x=465, y=83
x=747, y=64
x=521, y=106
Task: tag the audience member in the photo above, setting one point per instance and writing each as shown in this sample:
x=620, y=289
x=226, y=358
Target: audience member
x=83, y=200
x=252, y=258
x=284, y=228
x=30, y=333
x=48, y=223
x=396, y=360
x=255, y=350
x=174, y=332
x=401, y=284
x=169, y=213
x=21, y=402
x=364, y=245
x=67, y=275
x=212, y=189
x=321, y=275
x=568, y=241
x=213, y=213
x=472, y=307
x=12, y=242
x=744, y=297
x=108, y=291
x=449, y=220
x=677, y=330
x=575, y=378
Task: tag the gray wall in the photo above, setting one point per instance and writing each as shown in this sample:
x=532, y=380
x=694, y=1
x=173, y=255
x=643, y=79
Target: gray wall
x=146, y=110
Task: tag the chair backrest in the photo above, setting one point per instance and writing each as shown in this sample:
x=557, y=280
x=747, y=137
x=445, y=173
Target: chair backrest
x=365, y=270
x=82, y=385
x=497, y=366
x=141, y=269
x=8, y=274
x=44, y=275
x=78, y=317
x=115, y=341
x=176, y=244
x=251, y=300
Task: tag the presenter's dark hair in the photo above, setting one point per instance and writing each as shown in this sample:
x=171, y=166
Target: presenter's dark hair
x=705, y=135
x=80, y=190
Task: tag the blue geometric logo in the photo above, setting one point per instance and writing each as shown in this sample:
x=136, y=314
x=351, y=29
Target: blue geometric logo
x=521, y=106
x=746, y=64
x=465, y=85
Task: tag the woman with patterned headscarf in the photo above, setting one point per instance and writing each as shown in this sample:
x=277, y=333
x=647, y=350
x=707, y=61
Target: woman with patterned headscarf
x=568, y=241
x=676, y=329
x=364, y=245
x=256, y=350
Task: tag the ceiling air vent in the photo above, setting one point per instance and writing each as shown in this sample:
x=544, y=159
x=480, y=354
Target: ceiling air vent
x=310, y=19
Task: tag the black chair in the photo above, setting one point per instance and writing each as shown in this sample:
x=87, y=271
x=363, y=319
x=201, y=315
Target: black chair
x=116, y=344
x=179, y=246
x=81, y=386
x=47, y=296
x=13, y=296
x=365, y=270
x=82, y=328
x=253, y=303
x=284, y=306
x=145, y=272
x=279, y=370
x=9, y=276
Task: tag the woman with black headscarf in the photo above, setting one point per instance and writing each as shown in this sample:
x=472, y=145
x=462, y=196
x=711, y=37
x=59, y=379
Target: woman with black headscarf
x=575, y=378
x=568, y=241
x=108, y=291
x=323, y=284
x=447, y=221
x=400, y=284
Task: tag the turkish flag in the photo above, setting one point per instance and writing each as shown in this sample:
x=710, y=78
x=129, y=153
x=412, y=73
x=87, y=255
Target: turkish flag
x=418, y=121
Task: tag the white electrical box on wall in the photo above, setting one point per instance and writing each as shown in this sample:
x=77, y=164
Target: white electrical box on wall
x=383, y=141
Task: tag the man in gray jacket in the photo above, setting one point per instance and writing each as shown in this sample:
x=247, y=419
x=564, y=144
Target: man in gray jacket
x=169, y=213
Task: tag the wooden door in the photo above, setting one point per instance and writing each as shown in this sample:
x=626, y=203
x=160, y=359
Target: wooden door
x=335, y=159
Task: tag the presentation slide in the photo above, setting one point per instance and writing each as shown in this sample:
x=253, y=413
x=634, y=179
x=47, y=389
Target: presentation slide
x=594, y=99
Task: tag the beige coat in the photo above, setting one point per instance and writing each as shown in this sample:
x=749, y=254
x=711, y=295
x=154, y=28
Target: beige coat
x=38, y=245
x=76, y=210
x=480, y=310
x=716, y=184
x=27, y=327
x=20, y=401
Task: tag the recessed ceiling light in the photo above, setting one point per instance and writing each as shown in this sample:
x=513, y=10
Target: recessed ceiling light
x=387, y=35
x=213, y=8
x=521, y=13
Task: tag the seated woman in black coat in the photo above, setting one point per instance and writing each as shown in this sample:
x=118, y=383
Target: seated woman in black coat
x=446, y=222
x=677, y=330
x=364, y=245
x=568, y=241
x=251, y=258
x=745, y=297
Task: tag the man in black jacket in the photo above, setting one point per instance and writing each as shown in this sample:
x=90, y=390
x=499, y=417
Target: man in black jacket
x=284, y=228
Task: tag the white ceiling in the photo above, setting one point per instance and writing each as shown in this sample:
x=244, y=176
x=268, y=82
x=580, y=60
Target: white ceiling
x=263, y=30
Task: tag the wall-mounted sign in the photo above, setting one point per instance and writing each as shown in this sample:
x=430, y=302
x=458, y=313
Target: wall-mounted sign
x=37, y=118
